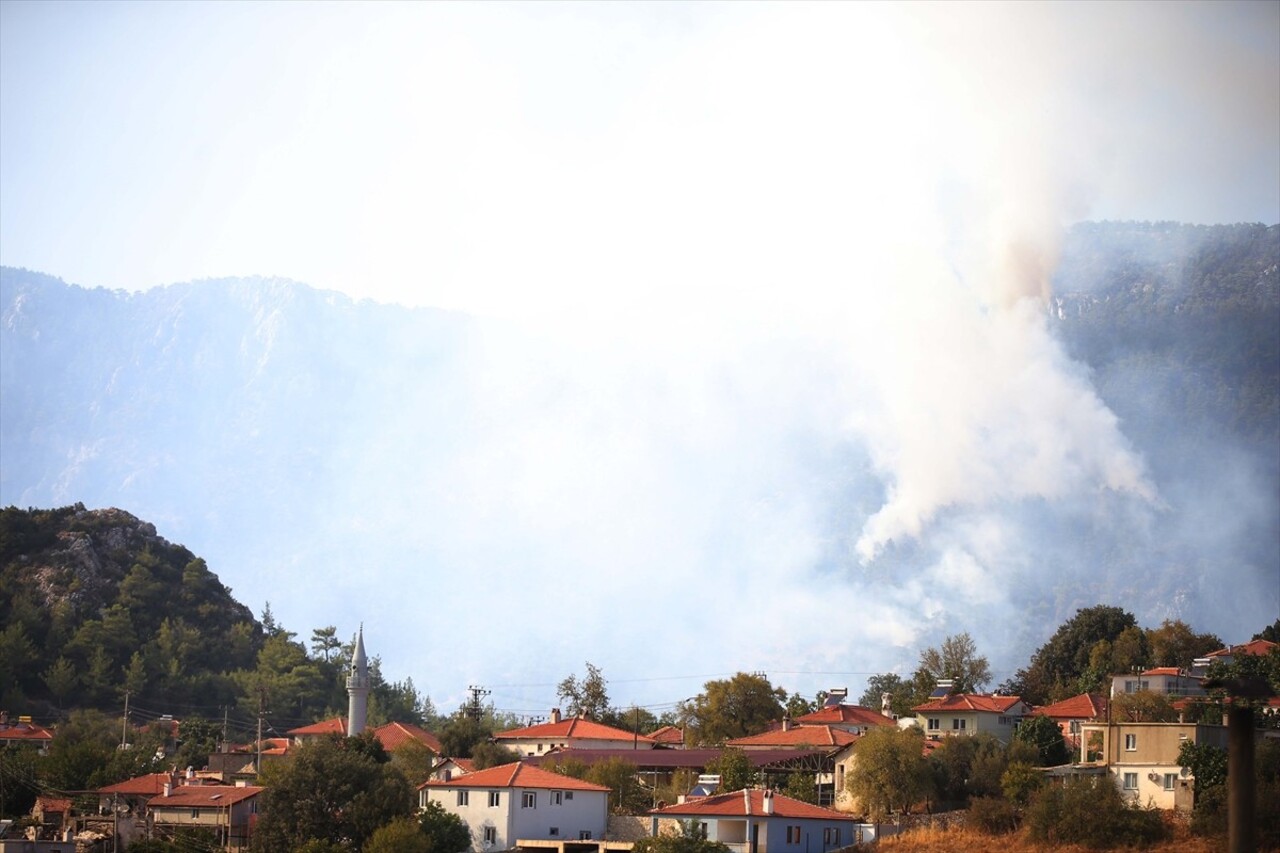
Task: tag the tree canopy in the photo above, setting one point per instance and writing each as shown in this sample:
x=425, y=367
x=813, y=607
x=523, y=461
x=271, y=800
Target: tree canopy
x=733, y=708
x=890, y=772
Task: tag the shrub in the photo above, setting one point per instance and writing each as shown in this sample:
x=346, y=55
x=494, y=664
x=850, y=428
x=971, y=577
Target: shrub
x=993, y=816
x=1091, y=812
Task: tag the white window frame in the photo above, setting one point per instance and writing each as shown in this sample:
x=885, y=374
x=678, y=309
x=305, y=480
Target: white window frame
x=1130, y=743
x=959, y=724
x=934, y=724
x=464, y=798
x=491, y=835
x=495, y=799
x=528, y=799
x=556, y=798
x=1170, y=781
x=1130, y=778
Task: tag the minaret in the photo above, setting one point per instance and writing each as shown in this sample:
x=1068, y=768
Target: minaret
x=358, y=688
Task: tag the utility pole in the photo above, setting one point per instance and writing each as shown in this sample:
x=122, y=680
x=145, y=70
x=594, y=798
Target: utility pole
x=257, y=760
x=474, y=709
x=124, y=723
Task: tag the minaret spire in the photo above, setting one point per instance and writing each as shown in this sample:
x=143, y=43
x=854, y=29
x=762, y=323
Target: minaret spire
x=358, y=688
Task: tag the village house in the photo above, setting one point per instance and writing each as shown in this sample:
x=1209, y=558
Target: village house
x=449, y=768
x=24, y=733
x=854, y=719
x=505, y=805
x=971, y=714
x=230, y=811
x=1071, y=714
x=570, y=733
x=796, y=737
x=761, y=821
x=1142, y=758
x=1165, y=680
x=668, y=737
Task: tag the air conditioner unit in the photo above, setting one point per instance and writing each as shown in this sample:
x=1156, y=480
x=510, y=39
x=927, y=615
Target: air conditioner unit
x=1153, y=776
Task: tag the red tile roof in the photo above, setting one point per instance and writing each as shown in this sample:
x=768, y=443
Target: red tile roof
x=150, y=785
x=1253, y=647
x=970, y=702
x=24, y=731
x=516, y=775
x=667, y=735
x=735, y=804
x=394, y=734
x=1163, y=670
x=1086, y=706
x=205, y=796
x=797, y=737
x=53, y=804
x=337, y=726
x=573, y=727
x=834, y=714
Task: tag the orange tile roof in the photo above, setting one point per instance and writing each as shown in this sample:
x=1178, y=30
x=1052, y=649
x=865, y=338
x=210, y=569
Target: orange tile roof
x=337, y=726
x=53, y=804
x=150, y=785
x=206, y=796
x=394, y=734
x=970, y=702
x=515, y=775
x=799, y=736
x=844, y=714
x=667, y=734
x=573, y=727
x=1163, y=670
x=1086, y=706
x=734, y=804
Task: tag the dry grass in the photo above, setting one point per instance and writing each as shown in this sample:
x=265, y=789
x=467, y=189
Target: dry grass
x=930, y=840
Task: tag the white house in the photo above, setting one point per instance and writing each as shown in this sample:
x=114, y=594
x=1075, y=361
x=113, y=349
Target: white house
x=514, y=802
x=1166, y=680
x=971, y=714
x=761, y=821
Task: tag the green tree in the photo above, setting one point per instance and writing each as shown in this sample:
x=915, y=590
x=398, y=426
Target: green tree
x=1020, y=781
x=690, y=840
x=61, y=679
x=586, y=697
x=900, y=693
x=956, y=659
x=461, y=734
x=626, y=795
x=1144, y=706
x=801, y=786
x=487, y=753
x=447, y=832
x=798, y=706
x=415, y=760
x=1045, y=735
x=401, y=835
x=889, y=771
x=1207, y=763
x=734, y=769
x=733, y=708
x=1056, y=667
x=197, y=739
x=1091, y=812
x=1175, y=644
x=324, y=642
x=19, y=780
x=331, y=788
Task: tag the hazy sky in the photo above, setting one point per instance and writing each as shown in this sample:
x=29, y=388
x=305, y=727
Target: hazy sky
x=667, y=189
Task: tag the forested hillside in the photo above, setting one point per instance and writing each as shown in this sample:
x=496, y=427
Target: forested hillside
x=95, y=604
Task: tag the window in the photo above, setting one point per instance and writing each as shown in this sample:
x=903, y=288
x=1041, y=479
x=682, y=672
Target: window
x=793, y=835
x=555, y=798
x=1131, y=781
x=1170, y=779
x=568, y=795
x=554, y=832
x=490, y=835
x=529, y=800
x=1074, y=727
x=831, y=836
x=584, y=835
x=195, y=814
x=934, y=724
x=463, y=797
x=493, y=799
x=958, y=724
x=1130, y=743
x=539, y=749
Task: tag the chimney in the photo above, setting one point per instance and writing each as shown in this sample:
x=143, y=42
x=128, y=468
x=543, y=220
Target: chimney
x=168, y=789
x=768, y=801
x=886, y=705
x=746, y=801
x=786, y=722
x=555, y=715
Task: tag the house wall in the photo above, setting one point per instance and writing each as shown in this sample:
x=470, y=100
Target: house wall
x=814, y=836
x=538, y=746
x=1142, y=758
x=511, y=820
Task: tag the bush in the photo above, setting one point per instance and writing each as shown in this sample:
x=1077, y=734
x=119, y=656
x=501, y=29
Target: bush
x=1090, y=812
x=992, y=815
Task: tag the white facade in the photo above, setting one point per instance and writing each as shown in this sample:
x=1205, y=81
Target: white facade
x=499, y=817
